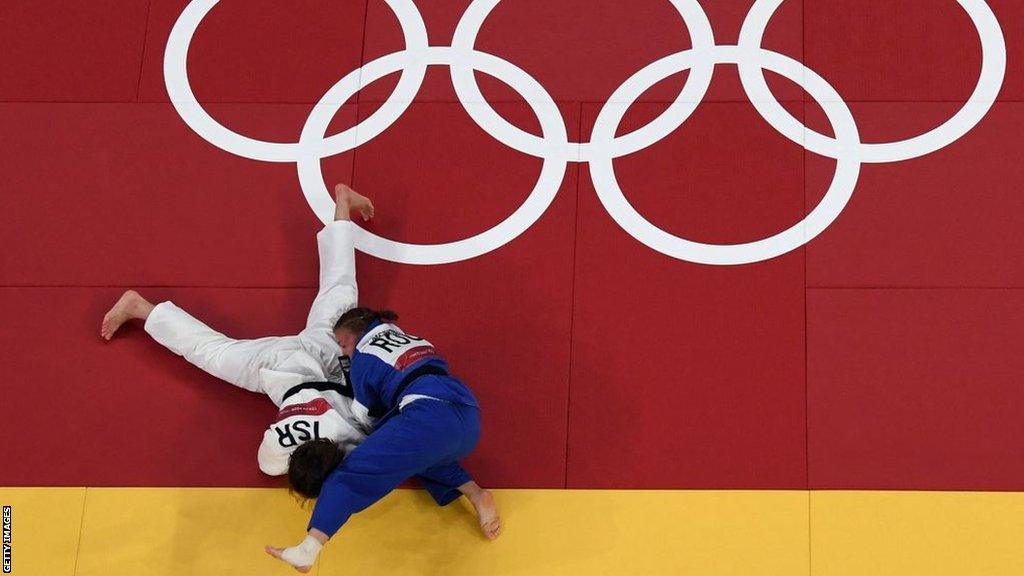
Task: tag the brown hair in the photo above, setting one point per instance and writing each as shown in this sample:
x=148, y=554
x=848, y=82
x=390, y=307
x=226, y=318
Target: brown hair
x=310, y=465
x=358, y=320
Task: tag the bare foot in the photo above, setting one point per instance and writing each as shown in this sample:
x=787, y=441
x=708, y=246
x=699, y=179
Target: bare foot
x=130, y=306
x=355, y=201
x=487, y=514
x=277, y=552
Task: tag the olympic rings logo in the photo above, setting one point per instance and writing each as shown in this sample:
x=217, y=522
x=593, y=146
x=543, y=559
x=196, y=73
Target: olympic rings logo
x=554, y=146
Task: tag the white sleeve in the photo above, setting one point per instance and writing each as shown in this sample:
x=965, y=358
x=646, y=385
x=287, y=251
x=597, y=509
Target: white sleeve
x=272, y=458
x=361, y=415
x=338, y=291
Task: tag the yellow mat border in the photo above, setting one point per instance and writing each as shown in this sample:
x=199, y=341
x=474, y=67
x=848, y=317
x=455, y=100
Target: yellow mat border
x=158, y=531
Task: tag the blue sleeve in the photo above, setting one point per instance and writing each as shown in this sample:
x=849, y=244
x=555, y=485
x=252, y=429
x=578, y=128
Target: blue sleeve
x=337, y=502
x=333, y=508
x=368, y=376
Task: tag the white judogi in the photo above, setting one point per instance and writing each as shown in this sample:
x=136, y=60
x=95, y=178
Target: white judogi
x=274, y=365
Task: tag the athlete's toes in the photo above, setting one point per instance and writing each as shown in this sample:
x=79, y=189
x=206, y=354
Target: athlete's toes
x=492, y=529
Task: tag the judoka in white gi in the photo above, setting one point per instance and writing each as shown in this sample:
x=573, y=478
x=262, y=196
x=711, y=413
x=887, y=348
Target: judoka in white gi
x=305, y=375
x=323, y=413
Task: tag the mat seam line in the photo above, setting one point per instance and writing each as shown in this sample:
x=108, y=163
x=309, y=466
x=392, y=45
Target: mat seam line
x=142, y=58
x=362, y=56
x=810, y=536
x=138, y=100
x=355, y=151
x=172, y=286
x=313, y=287
x=362, y=64
x=908, y=288
x=81, y=529
x=807, y=377
x=807, y=389
x=572, y=299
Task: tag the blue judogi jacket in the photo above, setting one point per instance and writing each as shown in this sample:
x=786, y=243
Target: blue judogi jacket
x=389, y=364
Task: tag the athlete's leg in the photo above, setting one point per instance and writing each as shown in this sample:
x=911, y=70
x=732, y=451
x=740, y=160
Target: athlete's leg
x=235, y=361
x=348, y=200
x=131, y=306
x=443, y=482
x=447, y=482
x=425, y=435
x=486, y=508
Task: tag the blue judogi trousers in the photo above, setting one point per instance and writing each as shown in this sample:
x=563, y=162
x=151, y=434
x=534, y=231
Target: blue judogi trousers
x=426, y=440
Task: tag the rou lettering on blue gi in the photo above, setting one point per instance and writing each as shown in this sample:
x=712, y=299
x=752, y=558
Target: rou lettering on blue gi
x=391, y=340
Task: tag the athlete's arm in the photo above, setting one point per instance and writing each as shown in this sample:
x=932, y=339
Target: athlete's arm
x=367, y=373
x=336, y=243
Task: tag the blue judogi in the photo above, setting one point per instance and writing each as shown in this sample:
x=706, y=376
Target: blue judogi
x=427, y=420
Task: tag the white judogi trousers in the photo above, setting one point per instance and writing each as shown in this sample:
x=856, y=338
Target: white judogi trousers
x=259, y=365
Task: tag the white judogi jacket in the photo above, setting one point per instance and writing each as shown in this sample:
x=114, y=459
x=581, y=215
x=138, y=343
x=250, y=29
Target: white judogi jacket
x=310, y=414
x=275, y=365
x=306, y=415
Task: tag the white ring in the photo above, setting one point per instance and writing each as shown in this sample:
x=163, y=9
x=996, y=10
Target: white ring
x=839, y=192
x=197, y=118
x=544, y=192
x=554, y=147
x=990, y=80
x=697, y=83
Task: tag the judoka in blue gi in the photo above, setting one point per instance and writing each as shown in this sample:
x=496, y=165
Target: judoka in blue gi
x=425, y=421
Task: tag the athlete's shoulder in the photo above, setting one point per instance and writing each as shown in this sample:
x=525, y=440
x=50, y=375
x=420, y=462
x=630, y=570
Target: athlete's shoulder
x=362, y=361
x=395, y=347
x=309, y=416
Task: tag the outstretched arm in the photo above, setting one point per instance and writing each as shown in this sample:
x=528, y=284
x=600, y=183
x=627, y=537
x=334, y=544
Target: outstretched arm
x=338, y=291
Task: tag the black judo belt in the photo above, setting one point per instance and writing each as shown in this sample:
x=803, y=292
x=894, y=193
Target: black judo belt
x=426, y=370
x=408, y=380
x=320, y=386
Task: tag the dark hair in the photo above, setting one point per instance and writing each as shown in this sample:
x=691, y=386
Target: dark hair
x=310, y=465
x=358, y=320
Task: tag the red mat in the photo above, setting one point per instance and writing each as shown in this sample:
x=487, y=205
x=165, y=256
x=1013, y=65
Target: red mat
x=949, y=219
x=880, y=355
x=915, y=389
x=58, y=51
